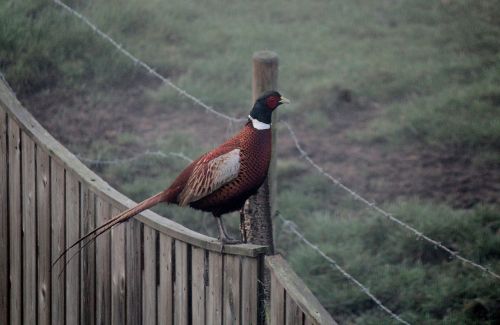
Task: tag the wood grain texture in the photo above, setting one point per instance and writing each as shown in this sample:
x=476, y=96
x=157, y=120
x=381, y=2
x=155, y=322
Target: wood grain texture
x=293, y=314
x=15, y=223
x=232, y=290
x=149, y=294
x=214, y=299
x=198, y=280
x=285, y=277
x=166, y=286
x=58, y=282
x=4, y=221
x=72, y=235
x=43, y=233
x=249, y=302
x=134, y=271
x=181, y=292
x=103, y=266
x=277, y=302
x=88, y=217
x=118, y=284
x=29, y=229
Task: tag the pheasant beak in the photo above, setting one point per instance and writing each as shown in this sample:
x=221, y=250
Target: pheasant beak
x=284, y=100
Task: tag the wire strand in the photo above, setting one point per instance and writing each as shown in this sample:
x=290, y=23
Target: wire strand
x=373, y=206
x=294, y=228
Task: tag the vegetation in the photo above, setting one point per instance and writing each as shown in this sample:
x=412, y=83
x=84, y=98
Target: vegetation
x=433, y=65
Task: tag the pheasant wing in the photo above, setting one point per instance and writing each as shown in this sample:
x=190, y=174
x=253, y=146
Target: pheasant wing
x=210, y=174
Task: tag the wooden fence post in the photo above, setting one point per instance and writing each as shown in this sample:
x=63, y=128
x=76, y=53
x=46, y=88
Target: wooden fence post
x=256, y=218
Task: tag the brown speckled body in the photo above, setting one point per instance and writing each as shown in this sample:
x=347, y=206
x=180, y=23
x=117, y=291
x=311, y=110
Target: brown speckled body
x=255, y=156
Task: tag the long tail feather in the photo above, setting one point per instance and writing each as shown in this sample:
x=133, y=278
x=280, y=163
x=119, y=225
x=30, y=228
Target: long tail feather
x=123, y=216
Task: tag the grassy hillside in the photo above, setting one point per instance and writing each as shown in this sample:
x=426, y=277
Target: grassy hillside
x=433, y=67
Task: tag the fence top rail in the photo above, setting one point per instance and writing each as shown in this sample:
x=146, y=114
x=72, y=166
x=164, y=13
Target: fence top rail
x=297, y=290
x=33, y=128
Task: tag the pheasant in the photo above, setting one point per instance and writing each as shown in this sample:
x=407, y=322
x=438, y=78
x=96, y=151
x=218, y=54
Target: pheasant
x=221, y=180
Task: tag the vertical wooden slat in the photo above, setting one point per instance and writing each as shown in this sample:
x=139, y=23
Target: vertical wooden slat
x=277, y=302
x=29, y=229
x=181, y=294
x=214, y=299
x=134, y=272
x=293, y=313
x=249, y=302
x=232, y=289
x=118, y=287
x=43, y=226
x=15, y=224
x=58, y=241
x=103, y=270
x=4, y=221
x=198, y=285
x=309, y=321
x=149, y=279
x=72, y=235
x=165, y=289
x=88, y=215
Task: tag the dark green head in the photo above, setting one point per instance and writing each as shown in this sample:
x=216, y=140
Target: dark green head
x=266, y=104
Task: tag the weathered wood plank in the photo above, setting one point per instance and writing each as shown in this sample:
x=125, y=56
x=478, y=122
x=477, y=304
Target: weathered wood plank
x=249, y=299
x=118, y=286
x=232, y=290
x=58, y=242
x=166, y=287
x=181, y=293
x=214, y=299
x=297, y=290
x=72, y=235
x=149, y=280
x=293, y=314
x=277, y=302
x=29, y=228
x=134, y=271
x=103, y=266
x=88, y=217
x=4, y=221
x=198, y=280
x=43, y=233
x=309, y=321
x=15, y=223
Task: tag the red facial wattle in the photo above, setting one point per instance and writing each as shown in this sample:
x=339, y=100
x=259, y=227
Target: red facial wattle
x=272, y=102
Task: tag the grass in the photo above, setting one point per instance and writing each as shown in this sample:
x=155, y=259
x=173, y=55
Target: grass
x=433, y=65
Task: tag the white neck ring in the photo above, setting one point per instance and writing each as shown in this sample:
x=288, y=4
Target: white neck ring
x=258, y=124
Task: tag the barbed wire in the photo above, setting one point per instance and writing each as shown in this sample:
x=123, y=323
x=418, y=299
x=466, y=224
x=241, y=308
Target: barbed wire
x=144, y=65
x=304, y=154
x=294, y=228
x=118, y=161
x=375, y=207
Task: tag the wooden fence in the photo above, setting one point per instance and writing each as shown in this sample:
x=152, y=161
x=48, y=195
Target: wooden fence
x=149, y=270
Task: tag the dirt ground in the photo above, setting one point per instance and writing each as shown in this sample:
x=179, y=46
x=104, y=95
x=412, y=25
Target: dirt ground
x=374, y=170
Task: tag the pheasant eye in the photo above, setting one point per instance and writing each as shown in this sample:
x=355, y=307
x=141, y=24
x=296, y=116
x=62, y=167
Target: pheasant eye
x=272, y=102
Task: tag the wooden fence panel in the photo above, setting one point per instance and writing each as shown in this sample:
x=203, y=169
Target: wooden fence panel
x=58, y=281
x=277, y=302
x=232, y=290
x=43, y=233
x=72, y=235
x=103, y=266
x=214, y=299
x=15, y=223
x=134, y=272
x=198, y=280
x=293, y=314
x=4, y=221
x=181, y=292
x=249, y=299
x=87, y=294
x=149, y=294
x=118, y=286
x=166, y=285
